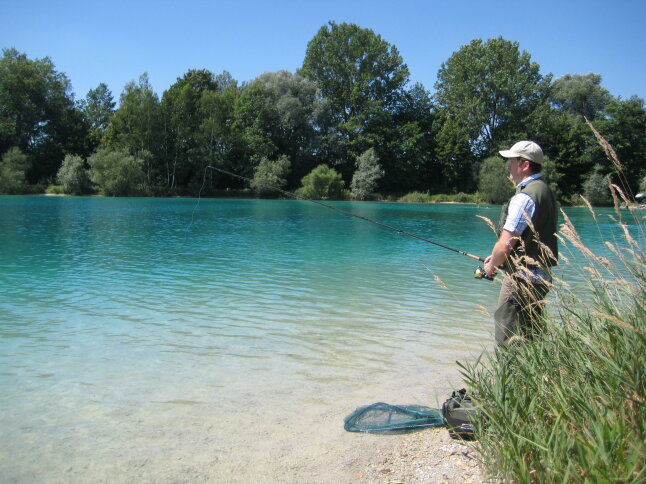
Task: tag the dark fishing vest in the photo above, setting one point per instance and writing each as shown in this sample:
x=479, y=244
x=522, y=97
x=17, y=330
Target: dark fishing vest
x=544, y=221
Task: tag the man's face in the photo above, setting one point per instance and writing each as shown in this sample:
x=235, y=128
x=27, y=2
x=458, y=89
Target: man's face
x=515, y=167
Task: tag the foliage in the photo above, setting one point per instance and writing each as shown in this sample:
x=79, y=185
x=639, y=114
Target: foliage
x=351, y=95
x=13, y=172
x=595, y=188
x=642, y=185
x=580, y=95
x=494, y=184
x=363, y=79
x=180, y=106
x=488, y=90
x=136, y=126
x=624, y=125
x=552, y=177
x=98, y=108
x=569, y=405
x=416, y=197
x=37, y=113
x=367, y=175
x=322, y=183
x=270, y=175
x=293, y=108
x=74, y=176
x=116, y=172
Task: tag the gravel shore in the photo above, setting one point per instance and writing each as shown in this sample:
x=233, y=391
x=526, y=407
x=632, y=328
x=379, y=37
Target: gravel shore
x=429, y=456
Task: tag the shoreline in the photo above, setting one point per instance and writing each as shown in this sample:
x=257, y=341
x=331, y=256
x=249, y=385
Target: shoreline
x=429, y=456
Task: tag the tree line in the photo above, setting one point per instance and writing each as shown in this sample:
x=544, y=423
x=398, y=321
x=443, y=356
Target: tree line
x=348, y=123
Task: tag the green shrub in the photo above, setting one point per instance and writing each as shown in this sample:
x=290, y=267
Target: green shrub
x=116, y=173
x=322, y=183
x=74, y=176
x=55, y=190
x=416, y=197
x=270, y=175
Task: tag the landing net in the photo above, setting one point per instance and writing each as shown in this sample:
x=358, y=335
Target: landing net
x=384, y=418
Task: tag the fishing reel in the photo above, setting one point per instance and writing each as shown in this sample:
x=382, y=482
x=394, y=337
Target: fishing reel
x=481, y=274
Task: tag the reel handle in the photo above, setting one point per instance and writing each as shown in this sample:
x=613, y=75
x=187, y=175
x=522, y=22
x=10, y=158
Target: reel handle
x=481, y=274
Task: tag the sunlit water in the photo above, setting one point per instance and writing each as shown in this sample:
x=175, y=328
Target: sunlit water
x=157, y=339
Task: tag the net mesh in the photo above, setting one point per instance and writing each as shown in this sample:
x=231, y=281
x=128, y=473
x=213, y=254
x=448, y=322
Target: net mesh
x=385, y=418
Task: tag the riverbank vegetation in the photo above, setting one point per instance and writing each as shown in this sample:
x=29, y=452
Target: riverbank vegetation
x=350, y=107
x=570, y=404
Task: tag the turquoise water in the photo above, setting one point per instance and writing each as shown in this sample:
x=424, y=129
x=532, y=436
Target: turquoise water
x=139, y=332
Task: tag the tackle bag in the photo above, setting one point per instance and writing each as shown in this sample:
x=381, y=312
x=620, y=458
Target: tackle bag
x=460, y=415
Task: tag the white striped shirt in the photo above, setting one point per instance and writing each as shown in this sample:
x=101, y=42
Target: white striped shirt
x=520, y=204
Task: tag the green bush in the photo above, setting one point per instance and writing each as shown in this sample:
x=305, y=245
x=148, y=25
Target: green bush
x=416, y=197
x=322, y=183
x=270, y=175
x=74, y=176
x=55, y=190
x=13, y=172
x=116, y=173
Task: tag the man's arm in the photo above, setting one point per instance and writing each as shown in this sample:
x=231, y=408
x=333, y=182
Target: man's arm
x=500, y=251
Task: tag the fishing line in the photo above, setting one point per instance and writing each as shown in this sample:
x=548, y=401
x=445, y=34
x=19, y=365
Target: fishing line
x=344, y=212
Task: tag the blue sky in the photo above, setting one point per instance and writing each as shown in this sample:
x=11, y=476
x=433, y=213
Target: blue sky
x=116, y=41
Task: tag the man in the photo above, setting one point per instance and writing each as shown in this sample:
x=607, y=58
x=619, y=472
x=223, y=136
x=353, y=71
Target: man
x=526, y=247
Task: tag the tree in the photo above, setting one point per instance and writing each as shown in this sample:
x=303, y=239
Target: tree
x=494, y=183
x=322, y=183
x=182, y=119
x=98, y=108
x=13, y=172
x=623, y=125
x=270, y=175
x=363, y=79
x=580, y=95
x=136, y=127
x=116, y=172
x=355, y=69
x=488, y=90
x=74, y=175
x=217, y=142
x=366, y=176
x=37, y=113
x=290, y=110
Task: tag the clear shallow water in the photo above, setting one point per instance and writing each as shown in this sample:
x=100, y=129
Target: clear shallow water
x=135, y=331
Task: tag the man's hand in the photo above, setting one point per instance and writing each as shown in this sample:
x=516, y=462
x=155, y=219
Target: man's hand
x=489, y=268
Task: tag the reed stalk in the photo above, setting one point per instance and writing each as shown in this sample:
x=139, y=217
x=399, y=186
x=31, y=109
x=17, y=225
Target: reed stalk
x=569, y=405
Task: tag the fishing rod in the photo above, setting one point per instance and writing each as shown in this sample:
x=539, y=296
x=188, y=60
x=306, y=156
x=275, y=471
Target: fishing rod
x=479, y=272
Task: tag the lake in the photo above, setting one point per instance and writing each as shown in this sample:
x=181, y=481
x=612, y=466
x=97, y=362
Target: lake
x=169, y=340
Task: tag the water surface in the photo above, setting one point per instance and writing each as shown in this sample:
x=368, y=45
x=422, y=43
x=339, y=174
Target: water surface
x=159, y=339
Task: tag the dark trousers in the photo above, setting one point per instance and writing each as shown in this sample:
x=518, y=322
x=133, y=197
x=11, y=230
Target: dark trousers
x=520, y=309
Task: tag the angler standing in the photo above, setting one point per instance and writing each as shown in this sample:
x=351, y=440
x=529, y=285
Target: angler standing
x=526, y=247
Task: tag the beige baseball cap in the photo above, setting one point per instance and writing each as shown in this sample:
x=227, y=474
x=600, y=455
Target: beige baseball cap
x=527, y=150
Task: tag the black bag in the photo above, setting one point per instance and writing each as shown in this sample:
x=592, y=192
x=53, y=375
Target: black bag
x=460, y=415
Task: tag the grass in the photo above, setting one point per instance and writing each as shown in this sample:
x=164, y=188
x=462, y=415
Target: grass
x=570, y=404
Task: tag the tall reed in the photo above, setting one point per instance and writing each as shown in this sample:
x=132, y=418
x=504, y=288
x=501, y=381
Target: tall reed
x=569, y=405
